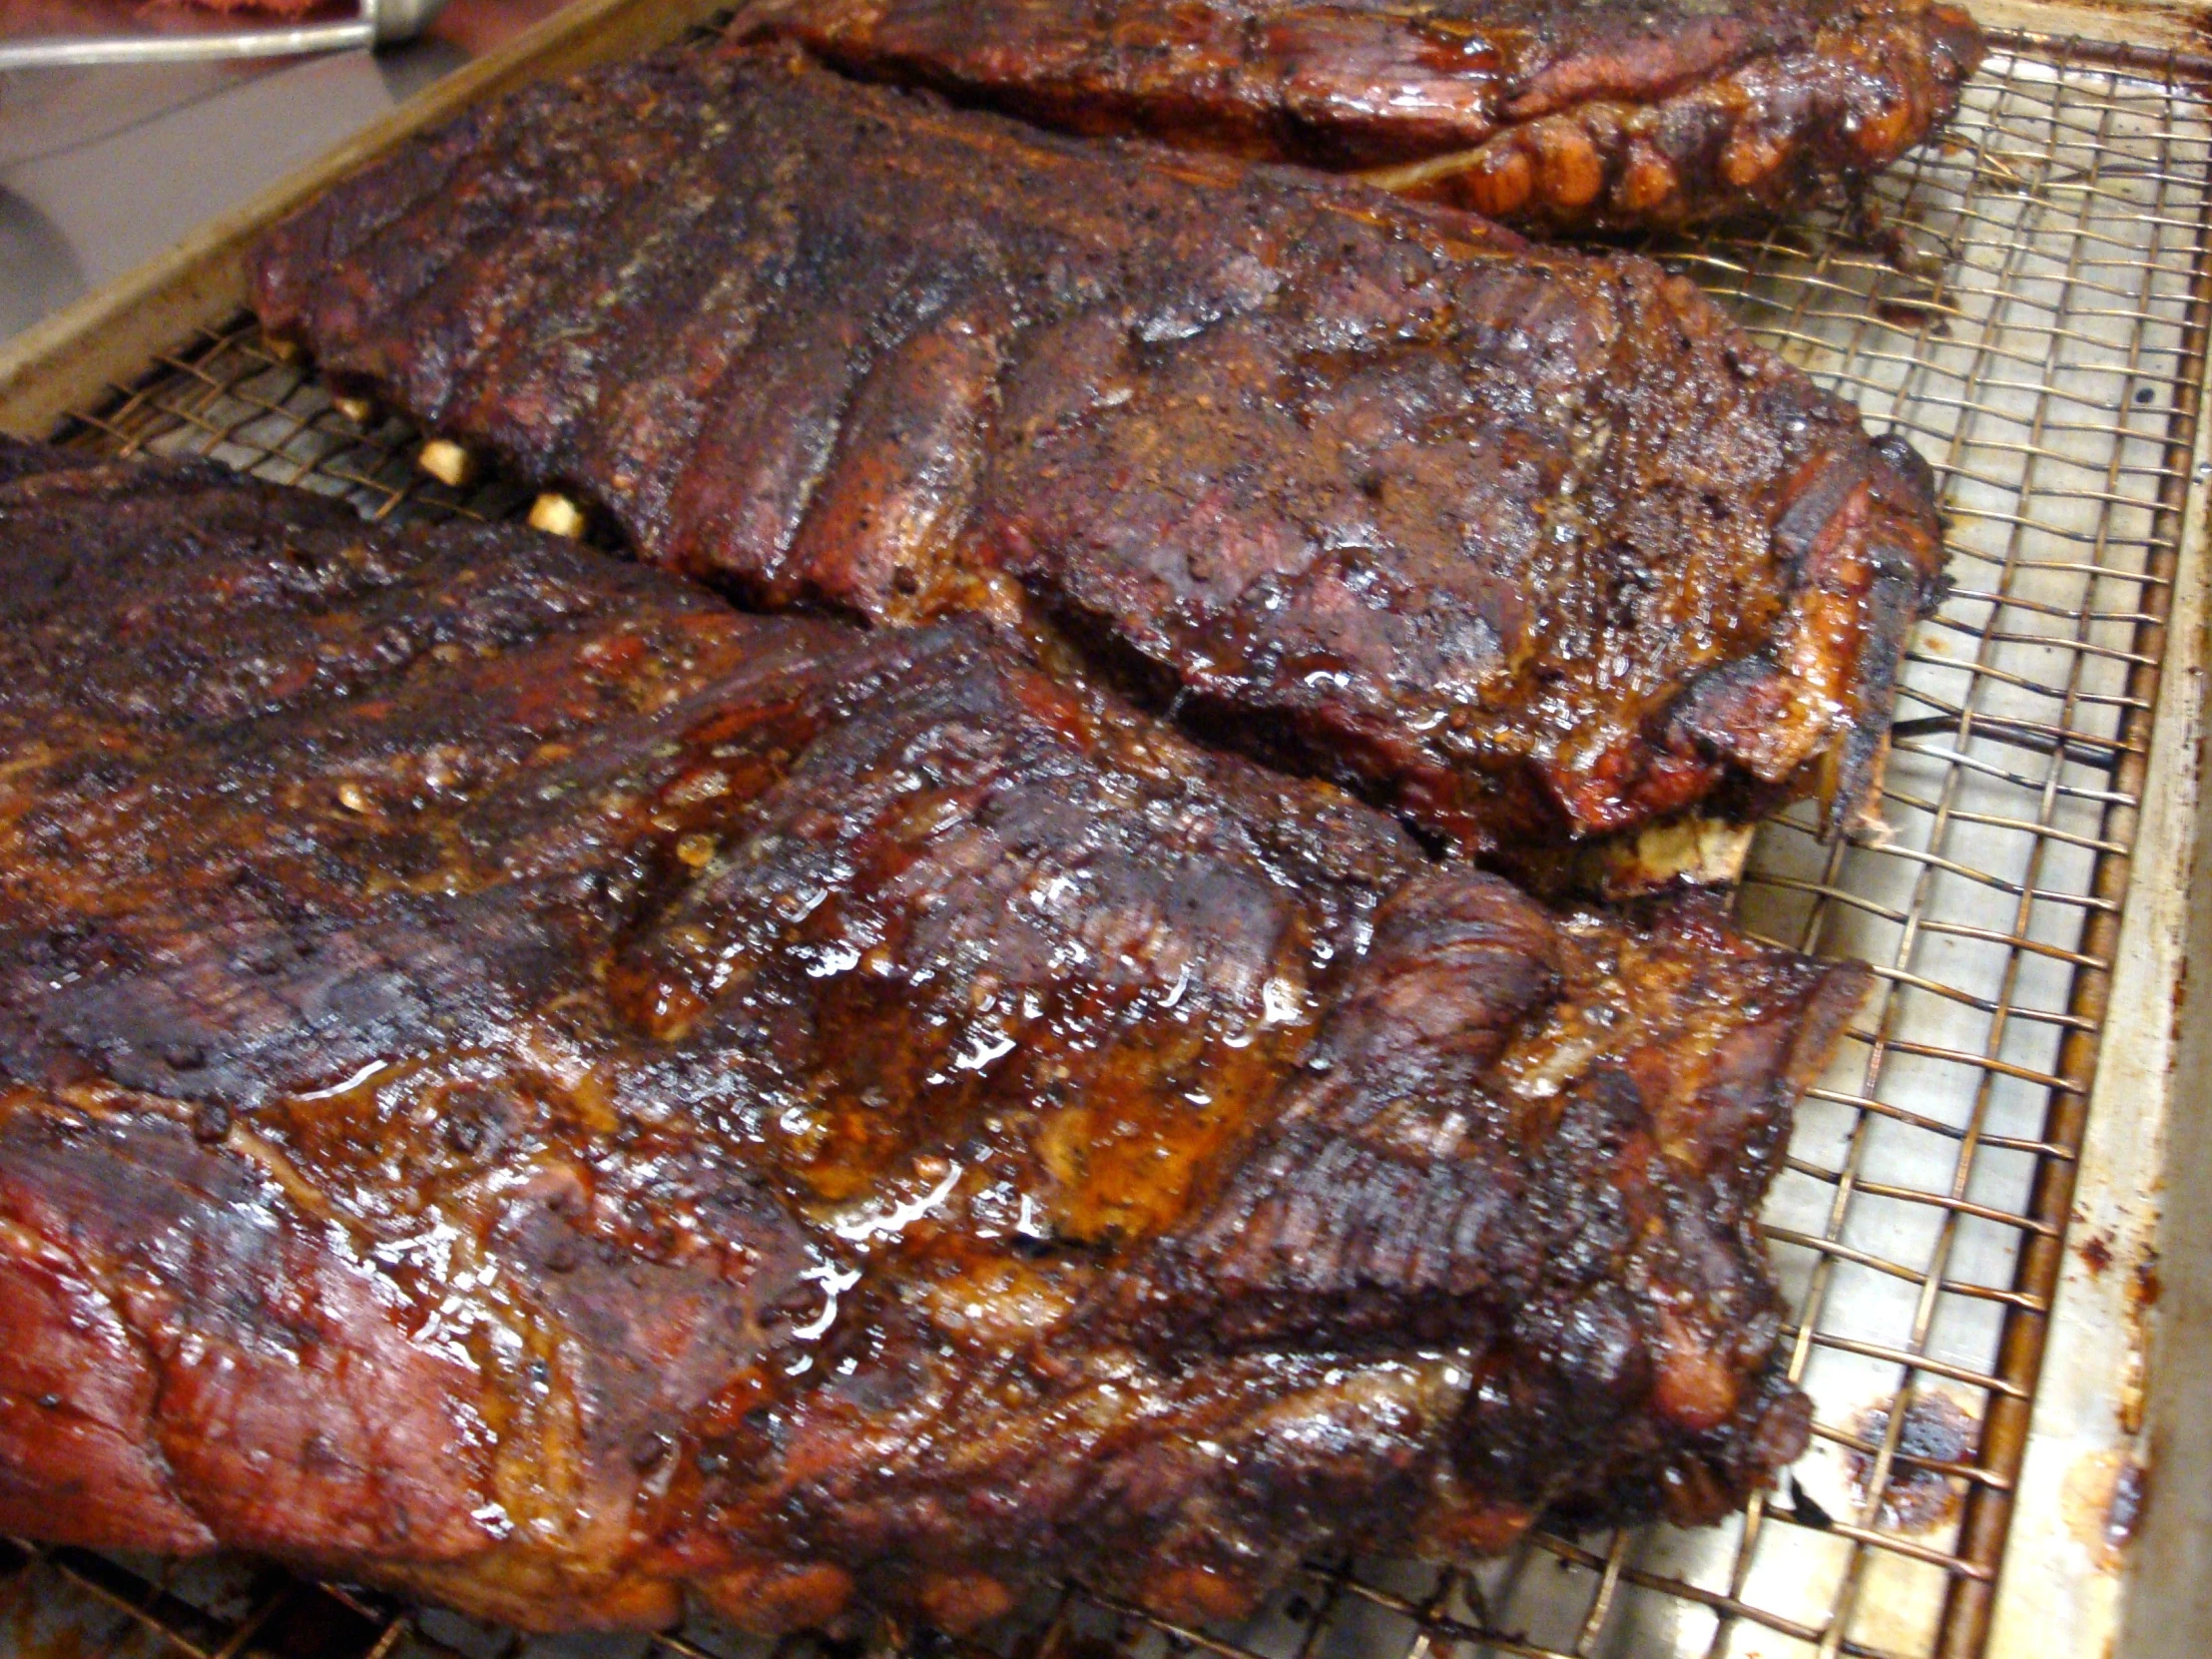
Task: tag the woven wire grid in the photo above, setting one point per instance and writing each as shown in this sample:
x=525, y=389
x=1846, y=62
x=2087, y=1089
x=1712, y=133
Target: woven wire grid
x=2026, y=301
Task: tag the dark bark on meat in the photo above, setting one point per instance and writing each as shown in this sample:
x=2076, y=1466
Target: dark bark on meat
x=524, y=1084
x=1608, y=115
x=1533, y=547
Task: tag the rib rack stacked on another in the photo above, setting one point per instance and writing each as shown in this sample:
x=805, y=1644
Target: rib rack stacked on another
x=1532, y=546
x=1566, y=114
x=520, y=1082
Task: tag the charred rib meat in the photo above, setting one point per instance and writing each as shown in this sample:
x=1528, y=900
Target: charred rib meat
x=1600, y=114
x=1534, y=546
x=522, y=1083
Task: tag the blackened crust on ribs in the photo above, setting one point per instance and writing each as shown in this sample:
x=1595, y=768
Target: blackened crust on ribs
x=1615, y=115
x=1533, y=547
x=521, y=1083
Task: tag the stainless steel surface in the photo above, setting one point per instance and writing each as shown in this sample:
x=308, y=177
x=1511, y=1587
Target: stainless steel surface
x=380, y=23
x=2029, y=303
x=397, y=20
x=104, y=169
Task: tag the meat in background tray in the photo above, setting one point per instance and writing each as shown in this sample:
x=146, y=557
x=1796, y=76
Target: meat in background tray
x=1615, y=115
x=273, y=8
x=476, y=26
x=114, y=17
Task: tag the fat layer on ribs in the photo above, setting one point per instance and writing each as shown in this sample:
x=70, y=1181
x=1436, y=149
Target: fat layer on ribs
x=1605, y=114
x=524, y=1084
x=1532, y=546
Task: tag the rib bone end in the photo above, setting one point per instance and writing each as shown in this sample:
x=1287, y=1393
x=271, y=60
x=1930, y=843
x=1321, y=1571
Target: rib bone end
x=1691, y=850
x=556, y=515
x=447, y=462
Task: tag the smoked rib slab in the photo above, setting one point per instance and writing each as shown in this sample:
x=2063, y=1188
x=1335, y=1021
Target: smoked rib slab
x=524, y=1084
x=1533, y=547
x=1559, y=115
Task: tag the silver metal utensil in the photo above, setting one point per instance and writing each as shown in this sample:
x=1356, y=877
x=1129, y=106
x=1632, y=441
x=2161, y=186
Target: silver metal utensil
x=380, y=23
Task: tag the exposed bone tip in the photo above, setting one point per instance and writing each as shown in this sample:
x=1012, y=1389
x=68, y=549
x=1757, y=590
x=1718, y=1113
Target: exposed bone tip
x=1688, y=850
x=1870, y=829
x=1703, y=852
x=359, y=410
x=447, y=462
x=556, y=515
x=1723, y=851
x=284, y=351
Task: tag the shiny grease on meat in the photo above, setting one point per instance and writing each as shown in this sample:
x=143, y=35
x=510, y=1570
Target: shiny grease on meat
x=1603, y=114
x=521, y=1083
x=1533, y=547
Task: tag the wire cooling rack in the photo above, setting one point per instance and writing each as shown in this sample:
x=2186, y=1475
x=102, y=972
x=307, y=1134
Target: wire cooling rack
x=2027, y=301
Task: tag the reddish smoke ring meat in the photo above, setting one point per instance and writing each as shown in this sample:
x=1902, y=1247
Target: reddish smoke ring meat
x=1615, y=114
x=1534, y=548
x=522, y=1085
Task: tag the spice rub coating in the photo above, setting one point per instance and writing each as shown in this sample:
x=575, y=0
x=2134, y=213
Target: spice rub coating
x=524, y=1084
x=1530, y=546
x=1559, y=115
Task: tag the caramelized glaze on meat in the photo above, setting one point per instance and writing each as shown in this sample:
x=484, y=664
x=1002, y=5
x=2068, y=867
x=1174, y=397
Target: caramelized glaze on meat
x=524, y=1084
x=1563, y=115
x=1531, y=546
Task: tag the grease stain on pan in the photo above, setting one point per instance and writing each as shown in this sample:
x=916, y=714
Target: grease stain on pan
x=1936, y=1430
x=2102, y=1499
x=2096, y=1252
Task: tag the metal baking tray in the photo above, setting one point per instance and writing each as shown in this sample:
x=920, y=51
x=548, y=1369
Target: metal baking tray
x=1985, y=1224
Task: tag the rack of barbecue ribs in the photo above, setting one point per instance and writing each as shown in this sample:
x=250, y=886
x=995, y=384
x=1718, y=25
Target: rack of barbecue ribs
x=1605, y=114
x=528, y=1085
x=1533, y=547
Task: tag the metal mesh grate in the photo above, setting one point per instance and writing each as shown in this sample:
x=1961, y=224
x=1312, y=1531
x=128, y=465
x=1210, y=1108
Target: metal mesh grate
x=2028, y=302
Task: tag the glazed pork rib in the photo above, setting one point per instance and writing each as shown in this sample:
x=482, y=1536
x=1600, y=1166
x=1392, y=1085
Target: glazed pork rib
x=1534, y=548
x=524, y=1084
x=1603, y=114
